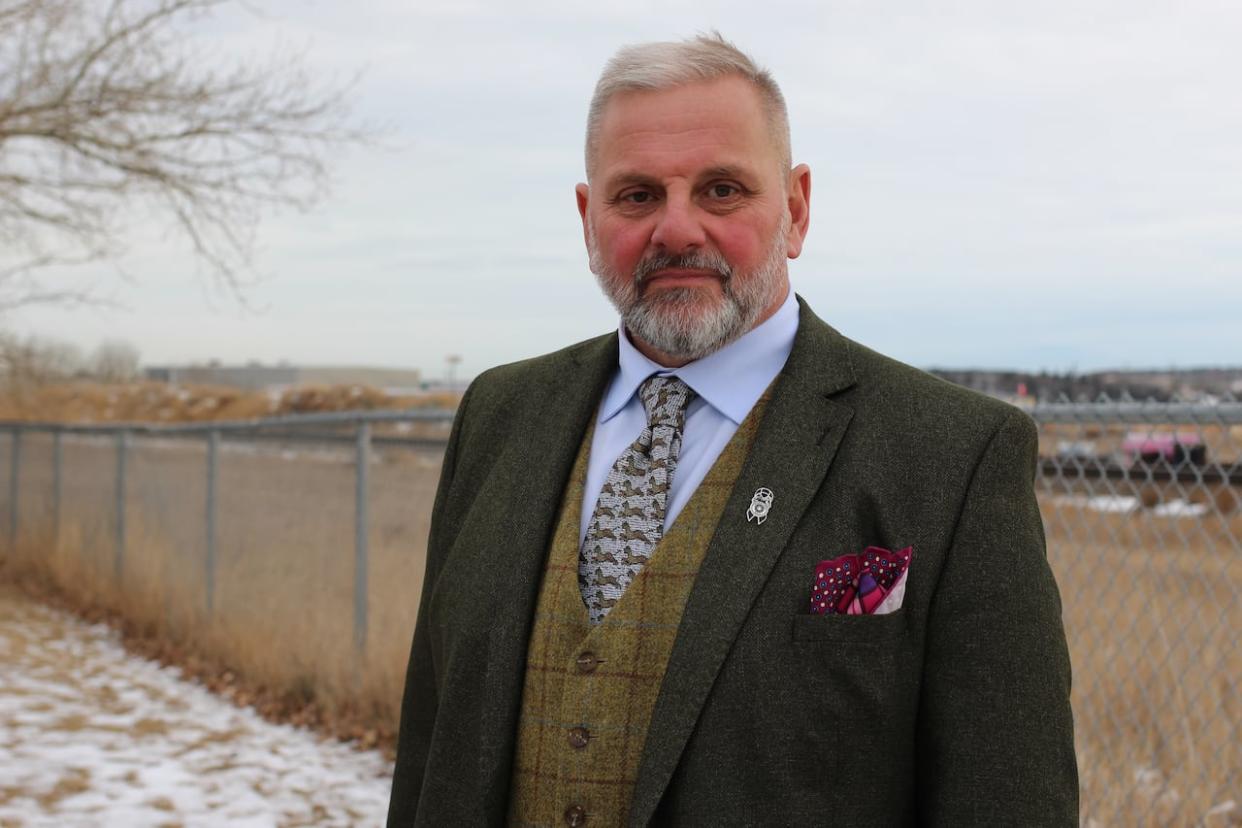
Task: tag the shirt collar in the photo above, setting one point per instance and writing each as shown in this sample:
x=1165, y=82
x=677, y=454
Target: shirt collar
x=730, y=380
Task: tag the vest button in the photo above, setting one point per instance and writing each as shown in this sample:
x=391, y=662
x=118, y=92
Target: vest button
x=579, y=737
x=587, y=662
x=575, y=816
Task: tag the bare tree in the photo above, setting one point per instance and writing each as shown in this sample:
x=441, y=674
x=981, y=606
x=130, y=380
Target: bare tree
x=28, y=363
x=106, y=109
x=115, y=360
x=57, y=361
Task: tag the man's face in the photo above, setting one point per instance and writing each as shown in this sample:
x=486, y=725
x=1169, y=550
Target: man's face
x=690, y=216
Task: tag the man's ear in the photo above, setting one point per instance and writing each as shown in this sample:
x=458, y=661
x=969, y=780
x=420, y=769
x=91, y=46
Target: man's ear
x=799, y=209
x=583, y=193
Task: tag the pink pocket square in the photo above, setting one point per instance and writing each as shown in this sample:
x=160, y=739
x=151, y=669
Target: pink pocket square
x=873, y=583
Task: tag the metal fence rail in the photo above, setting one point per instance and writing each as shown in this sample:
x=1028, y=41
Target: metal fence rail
x=242, y=527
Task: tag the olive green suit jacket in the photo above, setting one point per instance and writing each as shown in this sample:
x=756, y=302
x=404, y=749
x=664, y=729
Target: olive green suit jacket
x=952, y=711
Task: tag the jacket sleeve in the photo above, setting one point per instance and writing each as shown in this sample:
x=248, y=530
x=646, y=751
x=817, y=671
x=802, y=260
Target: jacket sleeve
x=995, y=740
x=420, y=702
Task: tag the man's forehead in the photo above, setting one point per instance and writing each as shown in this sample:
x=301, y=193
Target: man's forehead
x=719, y=123
x=729, y=100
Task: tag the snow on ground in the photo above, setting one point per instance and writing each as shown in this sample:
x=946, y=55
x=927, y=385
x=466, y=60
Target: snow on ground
x=1099, y=503
x=1125, y=504
x=93, y=736
x=1181, y=508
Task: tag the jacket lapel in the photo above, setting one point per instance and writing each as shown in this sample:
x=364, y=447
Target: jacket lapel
x=532, y=474
x=793, y=449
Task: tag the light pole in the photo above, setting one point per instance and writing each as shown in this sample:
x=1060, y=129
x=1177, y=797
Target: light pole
x=453, y=360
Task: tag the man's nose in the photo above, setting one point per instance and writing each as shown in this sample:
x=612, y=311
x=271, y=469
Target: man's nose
x=678, y=229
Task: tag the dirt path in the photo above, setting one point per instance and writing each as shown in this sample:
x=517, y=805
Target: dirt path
x=92, y=736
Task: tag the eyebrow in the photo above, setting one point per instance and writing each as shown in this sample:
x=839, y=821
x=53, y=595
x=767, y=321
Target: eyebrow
x=630, y=179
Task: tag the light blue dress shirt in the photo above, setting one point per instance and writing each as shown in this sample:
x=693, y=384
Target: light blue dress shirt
x=727, y=384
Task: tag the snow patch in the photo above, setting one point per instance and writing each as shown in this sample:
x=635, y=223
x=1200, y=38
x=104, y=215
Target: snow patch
x=94, y=736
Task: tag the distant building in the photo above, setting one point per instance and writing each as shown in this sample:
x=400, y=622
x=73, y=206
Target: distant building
x=1019, y=387
x=256, y=377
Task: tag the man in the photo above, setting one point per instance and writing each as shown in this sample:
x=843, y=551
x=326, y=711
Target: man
x=634, y=610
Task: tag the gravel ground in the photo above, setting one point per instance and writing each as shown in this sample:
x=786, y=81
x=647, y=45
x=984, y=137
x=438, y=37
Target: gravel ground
x=93, y=736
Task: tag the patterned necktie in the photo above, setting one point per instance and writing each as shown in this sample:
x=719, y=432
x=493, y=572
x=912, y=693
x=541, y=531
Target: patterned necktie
x=629, y=518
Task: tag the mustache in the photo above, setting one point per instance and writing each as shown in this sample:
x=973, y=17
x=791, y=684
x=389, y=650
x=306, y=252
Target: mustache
x=699, y=260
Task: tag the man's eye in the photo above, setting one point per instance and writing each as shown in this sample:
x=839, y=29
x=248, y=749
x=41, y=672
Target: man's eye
x=722, y=190
x=637, y=197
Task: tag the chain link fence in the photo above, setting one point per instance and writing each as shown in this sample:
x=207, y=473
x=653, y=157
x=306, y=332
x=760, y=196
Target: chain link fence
x=294, y=549
x=1142, y=506
x=291, y=548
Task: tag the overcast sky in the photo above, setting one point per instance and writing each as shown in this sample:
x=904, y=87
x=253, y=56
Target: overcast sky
x=1047, y=185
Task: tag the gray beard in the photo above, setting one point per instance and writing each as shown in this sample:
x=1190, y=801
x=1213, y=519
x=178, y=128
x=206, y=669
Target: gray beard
x=675, y=321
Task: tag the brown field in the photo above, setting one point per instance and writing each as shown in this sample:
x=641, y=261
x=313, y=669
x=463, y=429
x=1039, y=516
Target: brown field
x=1151, y=611
x=1151, y=602
x=157, y=402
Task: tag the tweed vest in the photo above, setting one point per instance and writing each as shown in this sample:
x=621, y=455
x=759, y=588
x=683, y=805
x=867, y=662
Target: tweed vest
x=589, y=691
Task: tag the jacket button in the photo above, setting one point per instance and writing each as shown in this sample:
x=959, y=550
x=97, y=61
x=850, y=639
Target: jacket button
x=575, y=816
x=587, y=662
x=579, y=737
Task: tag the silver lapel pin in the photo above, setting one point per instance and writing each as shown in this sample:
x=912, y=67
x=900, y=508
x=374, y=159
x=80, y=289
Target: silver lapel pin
x=760, y=505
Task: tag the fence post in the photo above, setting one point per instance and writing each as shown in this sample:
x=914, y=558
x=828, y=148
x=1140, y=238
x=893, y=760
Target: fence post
x=15, y=463
x=57, y=452
x=361, y=462
x=122, y=445
x=213, y=452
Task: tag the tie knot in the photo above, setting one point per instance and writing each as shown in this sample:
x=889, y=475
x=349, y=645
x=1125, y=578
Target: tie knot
x=665, y=399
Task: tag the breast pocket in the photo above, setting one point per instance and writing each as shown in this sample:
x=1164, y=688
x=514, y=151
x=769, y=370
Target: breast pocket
x=850, y=629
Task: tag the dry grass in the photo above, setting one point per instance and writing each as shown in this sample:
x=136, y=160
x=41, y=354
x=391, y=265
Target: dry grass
x=1227, y=500
x=1151, y=611
x=1151, y=603
x=153, y=402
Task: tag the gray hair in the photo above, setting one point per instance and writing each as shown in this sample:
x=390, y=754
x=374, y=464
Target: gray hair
x=667, y=64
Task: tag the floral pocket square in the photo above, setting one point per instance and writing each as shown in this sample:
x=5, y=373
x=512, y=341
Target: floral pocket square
x=873, y=583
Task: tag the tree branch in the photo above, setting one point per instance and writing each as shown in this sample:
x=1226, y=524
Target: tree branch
x=105, y=106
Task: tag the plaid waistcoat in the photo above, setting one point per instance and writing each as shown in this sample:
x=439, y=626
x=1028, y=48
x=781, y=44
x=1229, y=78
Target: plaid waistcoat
x=589, y=692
